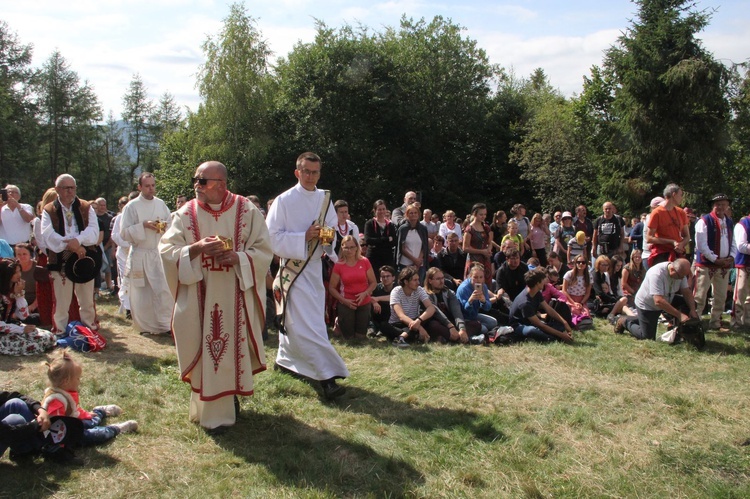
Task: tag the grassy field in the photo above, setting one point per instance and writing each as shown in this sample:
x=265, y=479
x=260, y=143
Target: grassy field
x=606, y=417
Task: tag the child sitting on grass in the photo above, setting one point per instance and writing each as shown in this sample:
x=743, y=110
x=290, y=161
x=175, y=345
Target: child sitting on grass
x=61, y=399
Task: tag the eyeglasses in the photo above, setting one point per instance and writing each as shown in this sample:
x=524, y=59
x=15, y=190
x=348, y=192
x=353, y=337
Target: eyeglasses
x=67, y=187
x=204, y=181
x=310, y=173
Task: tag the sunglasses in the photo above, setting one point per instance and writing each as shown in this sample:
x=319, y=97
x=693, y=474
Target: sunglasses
x=580, y=263
x=204, y=181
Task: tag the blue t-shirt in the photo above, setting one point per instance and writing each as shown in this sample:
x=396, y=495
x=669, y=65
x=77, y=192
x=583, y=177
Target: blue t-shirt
x=525, y=307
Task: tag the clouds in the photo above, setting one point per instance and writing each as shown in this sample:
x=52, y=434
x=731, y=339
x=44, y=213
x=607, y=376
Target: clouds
x=108, y=42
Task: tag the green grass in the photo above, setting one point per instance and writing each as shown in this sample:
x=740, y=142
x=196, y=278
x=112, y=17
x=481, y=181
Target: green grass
x=608, y=416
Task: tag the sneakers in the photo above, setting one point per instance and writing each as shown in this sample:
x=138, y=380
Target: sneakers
x=620, y=325
x=109, y=410
x=127, y=426
x=477, y=340
x=400, y=342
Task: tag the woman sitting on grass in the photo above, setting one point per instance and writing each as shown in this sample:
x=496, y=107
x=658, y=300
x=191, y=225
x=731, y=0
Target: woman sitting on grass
x=632, y=276
x=608, y=304
x=17, y=338
x=577, y=288
x=352, y=282
x=405, y=315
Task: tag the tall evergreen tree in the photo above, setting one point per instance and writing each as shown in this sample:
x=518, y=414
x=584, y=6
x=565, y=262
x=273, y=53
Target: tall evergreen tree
x=670, y=101
x=137, y=112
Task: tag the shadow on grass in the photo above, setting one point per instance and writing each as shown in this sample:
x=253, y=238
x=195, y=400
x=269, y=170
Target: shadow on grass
x=423, y=418
x=40, y=478
x=308, y=458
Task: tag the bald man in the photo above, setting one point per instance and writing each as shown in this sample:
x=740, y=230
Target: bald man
x=216, y=255
x=657, y=294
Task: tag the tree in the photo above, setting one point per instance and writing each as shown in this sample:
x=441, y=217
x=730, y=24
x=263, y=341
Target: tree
x=70, y=112
x=17, y=126
x=166, y=118
x=234, y=83
x=392, y=111
x=669, y=99
x=138, y=110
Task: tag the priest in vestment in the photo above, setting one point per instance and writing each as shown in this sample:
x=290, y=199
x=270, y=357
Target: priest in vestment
x=151, y=301
x=305, y=348
x=216, y=255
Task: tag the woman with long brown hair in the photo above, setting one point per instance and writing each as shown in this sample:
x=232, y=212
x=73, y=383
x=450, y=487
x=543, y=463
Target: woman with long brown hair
x=380, y=237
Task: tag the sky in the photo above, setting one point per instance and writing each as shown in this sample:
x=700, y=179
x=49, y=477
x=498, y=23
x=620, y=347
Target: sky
x=108, y=41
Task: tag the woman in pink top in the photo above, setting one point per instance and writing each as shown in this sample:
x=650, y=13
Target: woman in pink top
x=352, y=282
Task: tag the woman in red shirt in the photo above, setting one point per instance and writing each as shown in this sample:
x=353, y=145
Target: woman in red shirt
x=352, y=283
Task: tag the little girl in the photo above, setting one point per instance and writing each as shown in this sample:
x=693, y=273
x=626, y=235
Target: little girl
x=61, y=399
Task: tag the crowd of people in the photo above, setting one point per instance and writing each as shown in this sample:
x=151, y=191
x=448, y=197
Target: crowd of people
x=215, y=272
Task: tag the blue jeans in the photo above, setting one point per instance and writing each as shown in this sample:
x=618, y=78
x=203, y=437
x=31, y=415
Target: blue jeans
x=488, y=322
x=533, y=333
x=15, y=412
x=93, y=433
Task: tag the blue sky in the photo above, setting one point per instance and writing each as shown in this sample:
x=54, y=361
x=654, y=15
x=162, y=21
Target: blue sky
x=107, y=41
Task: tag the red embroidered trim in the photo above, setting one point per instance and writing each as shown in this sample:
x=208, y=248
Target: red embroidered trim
x=226, y=203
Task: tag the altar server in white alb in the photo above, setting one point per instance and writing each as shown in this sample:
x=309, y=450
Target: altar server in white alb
x=294, y=223
x=143, y=222
x=216, y=255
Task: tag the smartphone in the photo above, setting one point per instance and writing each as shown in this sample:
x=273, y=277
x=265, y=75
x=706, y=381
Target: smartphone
x=478, y=287
x=4, y=194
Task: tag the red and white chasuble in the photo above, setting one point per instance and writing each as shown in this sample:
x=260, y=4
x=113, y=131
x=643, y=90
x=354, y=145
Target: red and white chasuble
x=219, y=310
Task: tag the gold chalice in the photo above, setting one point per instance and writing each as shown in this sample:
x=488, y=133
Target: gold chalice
x=326, y=235
x=161, y=225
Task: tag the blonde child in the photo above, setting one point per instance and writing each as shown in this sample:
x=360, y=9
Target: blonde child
x=61, y=399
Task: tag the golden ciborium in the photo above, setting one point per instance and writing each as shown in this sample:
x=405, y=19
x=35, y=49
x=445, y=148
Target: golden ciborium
x=227, y=242
x=161, y=225
x=326, y=235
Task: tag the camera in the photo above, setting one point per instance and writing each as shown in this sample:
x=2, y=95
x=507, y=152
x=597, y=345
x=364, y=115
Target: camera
x=4, y=194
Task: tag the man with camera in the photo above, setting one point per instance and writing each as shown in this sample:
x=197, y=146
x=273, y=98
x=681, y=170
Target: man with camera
x=15, y=217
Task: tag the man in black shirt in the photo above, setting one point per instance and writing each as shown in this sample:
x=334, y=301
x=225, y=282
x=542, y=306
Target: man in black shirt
x=524, y=318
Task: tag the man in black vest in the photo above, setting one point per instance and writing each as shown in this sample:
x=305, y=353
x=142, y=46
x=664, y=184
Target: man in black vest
x=68, y=226
x=715, y=249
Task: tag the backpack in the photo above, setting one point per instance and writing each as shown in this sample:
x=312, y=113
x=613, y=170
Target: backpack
x=81, y=338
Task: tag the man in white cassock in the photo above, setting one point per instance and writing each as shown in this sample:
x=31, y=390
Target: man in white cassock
x=293, y=223
x=142, y=224
x=216, y=256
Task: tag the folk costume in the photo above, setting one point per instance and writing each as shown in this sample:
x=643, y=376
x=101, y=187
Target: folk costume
x=741, y=302
x=219, y=310
x=59, y=224
x=714, y=238
x=151, y=301
x=304, y=348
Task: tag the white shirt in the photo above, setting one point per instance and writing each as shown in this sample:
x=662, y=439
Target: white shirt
x=57, y=243
x=740, y=239
x=13, y=227
x=701, y=241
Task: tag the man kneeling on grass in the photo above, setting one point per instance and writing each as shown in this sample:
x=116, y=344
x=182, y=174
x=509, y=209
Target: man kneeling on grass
x=524, y=313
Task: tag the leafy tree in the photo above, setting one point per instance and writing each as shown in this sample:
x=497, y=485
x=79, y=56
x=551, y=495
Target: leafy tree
x=552, y=158
x=234, y=83
x=403, y=109
x=669, y=100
